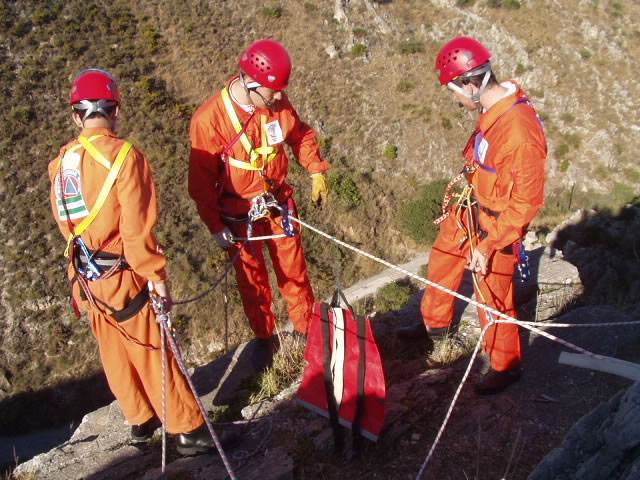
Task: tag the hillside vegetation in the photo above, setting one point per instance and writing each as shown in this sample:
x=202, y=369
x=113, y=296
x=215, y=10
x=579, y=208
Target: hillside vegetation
x=362, y=77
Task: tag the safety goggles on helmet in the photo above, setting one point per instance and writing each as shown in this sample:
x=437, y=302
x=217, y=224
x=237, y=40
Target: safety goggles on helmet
x=87, y=107
x=484, y=68
x=251, y=85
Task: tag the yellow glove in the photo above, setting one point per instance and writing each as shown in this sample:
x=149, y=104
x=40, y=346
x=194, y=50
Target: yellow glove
x=319, y=189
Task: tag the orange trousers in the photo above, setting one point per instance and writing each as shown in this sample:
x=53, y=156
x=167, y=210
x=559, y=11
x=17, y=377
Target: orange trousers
x=132, y=357
x=446, y=268
x=253, y=278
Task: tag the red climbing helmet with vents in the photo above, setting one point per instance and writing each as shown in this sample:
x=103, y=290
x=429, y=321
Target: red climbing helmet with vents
x=94, y=84
x=459, y=56
x=268, y=63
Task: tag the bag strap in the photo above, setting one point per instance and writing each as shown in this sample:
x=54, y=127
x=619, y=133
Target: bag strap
x=332, y=405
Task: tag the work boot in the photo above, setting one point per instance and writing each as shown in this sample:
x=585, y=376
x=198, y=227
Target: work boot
x=144, y=431
x=200, y=440
x=442, y=333
x=414, y=333
x=263, y=351
x=494, y=382
x=419, y=332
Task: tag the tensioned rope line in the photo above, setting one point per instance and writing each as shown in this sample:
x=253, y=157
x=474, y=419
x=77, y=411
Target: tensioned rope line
x=506, y=318
x=491, y=321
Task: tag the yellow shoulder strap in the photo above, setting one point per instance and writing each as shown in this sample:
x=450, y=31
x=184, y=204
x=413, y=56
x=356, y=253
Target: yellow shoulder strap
x=93, y=151
x=228, y=105
x=76, y=147
x=104, y=192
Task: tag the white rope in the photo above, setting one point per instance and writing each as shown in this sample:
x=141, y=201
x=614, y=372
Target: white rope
x=490, y=312
x=163, y=343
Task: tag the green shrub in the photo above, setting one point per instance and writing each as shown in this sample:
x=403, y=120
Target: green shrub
x=568, y=117
x=358, y=50
x=411, y=46
x=446, y=123
x=622, y=194
x=585, y=53
x=391, y=152
x=521, y=68
x=23, y=115
x=564, y=165
x=404, y=86
x=272, y=12
x=632, y=174
x=392, y=296
x=325, y=145
x=342, y=185
x=494, y=3
x=601, y=172
x=561, y=150
x=359, y=32
x=512, y=4
x=573, y=139
x=416, y=217
x=619, y=148
x=151, y=39
x=310, y=7
x=465, y=3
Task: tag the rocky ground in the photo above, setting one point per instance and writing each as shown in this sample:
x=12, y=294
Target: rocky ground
x=503, y=436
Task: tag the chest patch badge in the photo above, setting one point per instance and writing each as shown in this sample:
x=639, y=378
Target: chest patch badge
x=274, y=133
x=482, y=150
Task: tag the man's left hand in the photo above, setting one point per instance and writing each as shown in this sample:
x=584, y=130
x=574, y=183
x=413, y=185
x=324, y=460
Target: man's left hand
x=319, y=189
x=478, y=262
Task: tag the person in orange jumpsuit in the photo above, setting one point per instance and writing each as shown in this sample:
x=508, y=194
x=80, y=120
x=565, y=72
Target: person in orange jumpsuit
x=505, y=163
x=238, y=160
x=113, y=255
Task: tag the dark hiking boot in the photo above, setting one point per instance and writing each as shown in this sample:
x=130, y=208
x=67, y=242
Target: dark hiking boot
x=495, y=382
x=442, y=333
x=419, y=332
x=413, y=333
x=200, y=440
x=144, y=431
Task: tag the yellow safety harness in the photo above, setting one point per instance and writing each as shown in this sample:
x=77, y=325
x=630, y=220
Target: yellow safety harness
x=114, y=170
x=265, y=152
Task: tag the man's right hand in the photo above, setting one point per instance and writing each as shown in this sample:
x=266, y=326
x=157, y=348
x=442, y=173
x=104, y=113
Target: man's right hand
x=224, y=238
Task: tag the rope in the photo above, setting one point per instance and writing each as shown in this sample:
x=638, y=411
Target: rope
x=163, y=343
x=215, y=285
x=491, y=314
x=163, y=319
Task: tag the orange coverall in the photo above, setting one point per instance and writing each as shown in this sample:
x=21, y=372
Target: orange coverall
x=129, y=349
x=218, y=195
x=514, y=147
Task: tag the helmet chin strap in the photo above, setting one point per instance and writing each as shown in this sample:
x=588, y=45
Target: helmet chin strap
x=251, y=87
x=475, y=97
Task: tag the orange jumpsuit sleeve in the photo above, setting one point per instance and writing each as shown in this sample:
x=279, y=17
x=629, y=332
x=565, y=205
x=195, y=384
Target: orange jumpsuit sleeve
x=527, y=171
x=204, y=164
x=137, y=197
x=302, y=140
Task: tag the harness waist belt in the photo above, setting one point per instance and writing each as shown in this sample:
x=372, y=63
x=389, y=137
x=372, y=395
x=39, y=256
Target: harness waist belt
x=103, y=259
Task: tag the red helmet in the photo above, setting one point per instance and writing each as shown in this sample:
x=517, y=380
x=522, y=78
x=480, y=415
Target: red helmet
x=268, y=63
x=459, y=56
x=94, y=84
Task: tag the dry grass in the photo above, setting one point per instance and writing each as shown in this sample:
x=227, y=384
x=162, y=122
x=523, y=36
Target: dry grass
x=288, y=364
